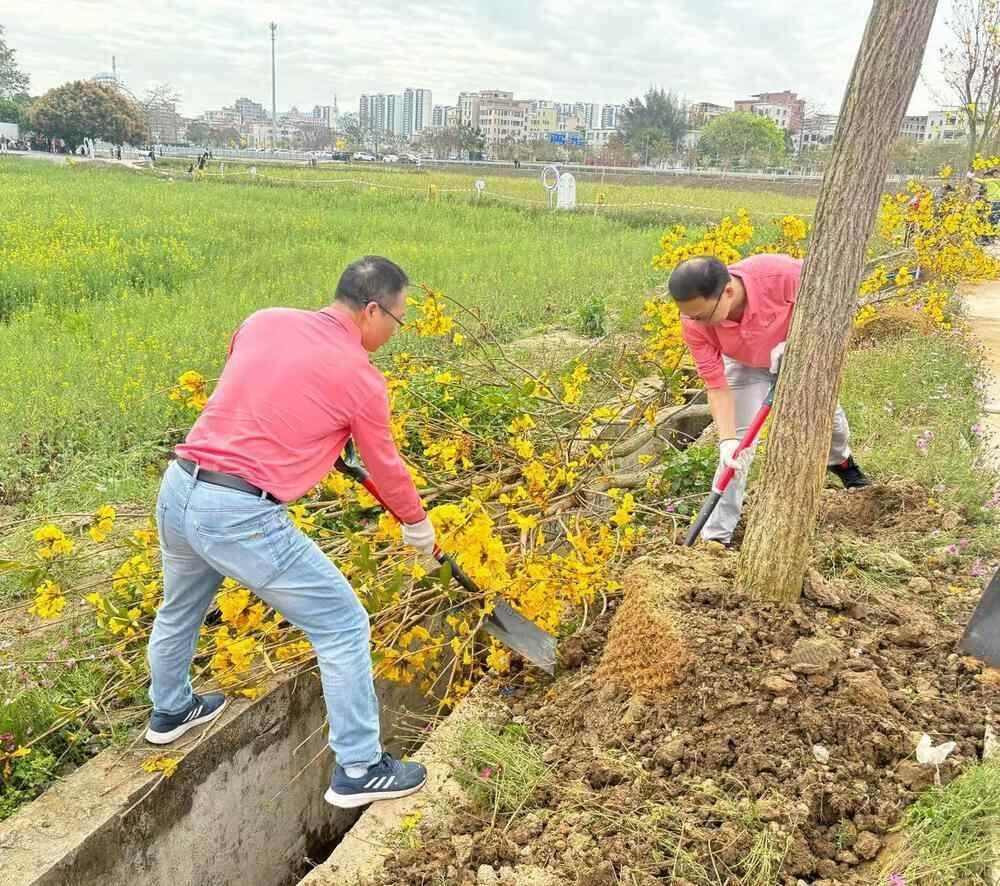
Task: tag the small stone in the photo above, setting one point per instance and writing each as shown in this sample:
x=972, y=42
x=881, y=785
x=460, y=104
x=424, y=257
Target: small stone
x=814, y=655
x=915, y=629
x=865, y=689
x=779, y=685
x=486, y=876
x=820, y=754
x=671, y=752
x=867, y=845
x=821, y=592
x=950, y=521
x=608, y=692
x=552, y=753
x=920, y=585
x=636, y=710
x=845, y=856
x=914, y=775
x=780, y=702
x=820, y=681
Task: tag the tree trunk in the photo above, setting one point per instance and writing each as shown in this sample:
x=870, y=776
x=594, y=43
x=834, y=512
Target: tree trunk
x=778, y=540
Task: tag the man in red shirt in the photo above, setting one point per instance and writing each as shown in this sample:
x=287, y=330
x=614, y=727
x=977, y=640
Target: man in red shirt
x=735, y=321
x=296, y=385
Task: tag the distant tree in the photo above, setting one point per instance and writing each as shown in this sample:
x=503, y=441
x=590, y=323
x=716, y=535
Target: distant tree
x=84, y=109
x=471, y=140
x=442, y=142
x=316, y=138
x=223, y=137
x=744, y=139
x=13, y=81
x=160, y=94
x=14, y=110
x=197, y=133
x=971, y=68
x=350, y=128
x=657, y=119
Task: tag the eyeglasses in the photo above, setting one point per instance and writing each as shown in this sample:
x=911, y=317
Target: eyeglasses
x=390, y=313
x=711, y=313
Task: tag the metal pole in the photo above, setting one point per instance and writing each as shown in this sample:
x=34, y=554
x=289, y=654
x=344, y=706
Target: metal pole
x=274, y=94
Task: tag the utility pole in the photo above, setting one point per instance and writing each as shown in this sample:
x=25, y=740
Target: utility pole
x=274, y=94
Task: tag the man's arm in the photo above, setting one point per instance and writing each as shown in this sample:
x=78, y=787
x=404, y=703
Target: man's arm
x=370, y=429
x=722, y=407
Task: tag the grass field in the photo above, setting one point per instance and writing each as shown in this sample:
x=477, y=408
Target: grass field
x=115, y=282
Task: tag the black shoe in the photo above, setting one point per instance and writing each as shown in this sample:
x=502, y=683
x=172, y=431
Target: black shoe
x=850, y=474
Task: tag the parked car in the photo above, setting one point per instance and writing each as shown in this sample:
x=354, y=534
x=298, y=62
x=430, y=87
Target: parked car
x=362, y=155
x=340, y=155
x=390, y=158
x=409, y=158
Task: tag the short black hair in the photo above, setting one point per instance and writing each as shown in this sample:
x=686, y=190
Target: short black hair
x=704, y=275
x=371, y=278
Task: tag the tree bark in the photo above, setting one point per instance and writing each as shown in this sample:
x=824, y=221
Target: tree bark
x=779, y=535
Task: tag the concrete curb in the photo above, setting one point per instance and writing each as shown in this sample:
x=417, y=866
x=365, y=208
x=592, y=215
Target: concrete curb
x=244, y=806
x=380, y=830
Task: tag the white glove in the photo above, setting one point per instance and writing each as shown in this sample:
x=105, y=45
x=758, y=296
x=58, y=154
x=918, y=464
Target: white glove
x=728, y=459
x=777, y=352
x=420, y=536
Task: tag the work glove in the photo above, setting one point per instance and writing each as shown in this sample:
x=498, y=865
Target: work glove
x=420, y=536
x=777, y=352
x=728, y=458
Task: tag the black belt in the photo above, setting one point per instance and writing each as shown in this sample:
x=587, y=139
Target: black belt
x=227, y=480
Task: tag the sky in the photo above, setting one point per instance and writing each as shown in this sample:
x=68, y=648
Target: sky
x=214, y=51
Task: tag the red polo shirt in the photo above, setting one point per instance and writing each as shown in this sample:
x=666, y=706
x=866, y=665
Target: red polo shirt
x=772, y=285
x=296, y=385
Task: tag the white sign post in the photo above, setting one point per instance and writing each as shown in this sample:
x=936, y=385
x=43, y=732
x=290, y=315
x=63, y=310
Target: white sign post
x=566, y=195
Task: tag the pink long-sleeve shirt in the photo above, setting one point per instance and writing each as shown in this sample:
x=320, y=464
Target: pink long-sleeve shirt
x=772, y=285
x=296, y=385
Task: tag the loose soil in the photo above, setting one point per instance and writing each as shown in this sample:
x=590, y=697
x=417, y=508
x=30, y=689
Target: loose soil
x=696, y=736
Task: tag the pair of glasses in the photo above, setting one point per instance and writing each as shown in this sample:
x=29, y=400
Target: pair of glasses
x=391, y=314
x=711, y=313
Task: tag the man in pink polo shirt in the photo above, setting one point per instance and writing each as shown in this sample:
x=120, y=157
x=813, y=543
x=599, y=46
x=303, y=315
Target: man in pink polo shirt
x=295, y=386
x=735, y=321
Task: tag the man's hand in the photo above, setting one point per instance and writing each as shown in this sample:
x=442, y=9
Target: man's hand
x=420, y=536
x=777, y=352
x=729, y=459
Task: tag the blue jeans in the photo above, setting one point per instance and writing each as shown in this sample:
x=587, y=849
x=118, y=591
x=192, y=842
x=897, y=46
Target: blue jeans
x=208, y=532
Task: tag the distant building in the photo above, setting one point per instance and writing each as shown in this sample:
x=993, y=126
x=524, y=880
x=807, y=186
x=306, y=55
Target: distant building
x=416, y=111
x=165, y=125
x=947, y=125
x=817, y=131
x=468, y=109
x=769, y=103
x=250, y=111
x=611, y=116
x=914, y=127
x=599, y=138
x=699, y=113
x=502, y=118
x=439, y=116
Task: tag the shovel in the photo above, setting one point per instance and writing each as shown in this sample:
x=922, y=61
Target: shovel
x=508, y=626
x=725, y=478
x=982, y=635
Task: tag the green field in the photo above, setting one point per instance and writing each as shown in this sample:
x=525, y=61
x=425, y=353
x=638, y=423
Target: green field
x=114, y=282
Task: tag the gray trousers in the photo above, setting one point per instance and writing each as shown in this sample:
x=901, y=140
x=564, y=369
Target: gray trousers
x=749, y=386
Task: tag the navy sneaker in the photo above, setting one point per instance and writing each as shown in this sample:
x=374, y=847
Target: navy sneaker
x=386, y=780
x=850, y=474
x=165, y=728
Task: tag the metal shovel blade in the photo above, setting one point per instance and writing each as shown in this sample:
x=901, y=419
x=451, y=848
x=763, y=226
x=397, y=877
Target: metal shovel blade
x=522, y=635
x=982, y=635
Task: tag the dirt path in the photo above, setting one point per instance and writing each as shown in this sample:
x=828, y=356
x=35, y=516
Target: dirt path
x=982, y=304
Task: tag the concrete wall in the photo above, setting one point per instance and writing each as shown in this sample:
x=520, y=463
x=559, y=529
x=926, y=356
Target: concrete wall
x=215, y=822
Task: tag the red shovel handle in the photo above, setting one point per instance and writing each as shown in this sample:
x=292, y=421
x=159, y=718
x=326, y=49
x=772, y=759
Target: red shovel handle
x=725, y=478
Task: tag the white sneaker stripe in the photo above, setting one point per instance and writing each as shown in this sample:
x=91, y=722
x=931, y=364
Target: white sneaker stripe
x=371, y=782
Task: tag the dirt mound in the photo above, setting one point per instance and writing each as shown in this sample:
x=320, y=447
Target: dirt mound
x=897, y=505
x=892, y=322
x=778, y=745
x=645, y=651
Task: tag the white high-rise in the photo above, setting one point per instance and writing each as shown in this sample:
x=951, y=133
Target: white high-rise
x=417, y=110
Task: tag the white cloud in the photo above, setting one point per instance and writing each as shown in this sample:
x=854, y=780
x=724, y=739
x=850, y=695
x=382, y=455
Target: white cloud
x=567, y=50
